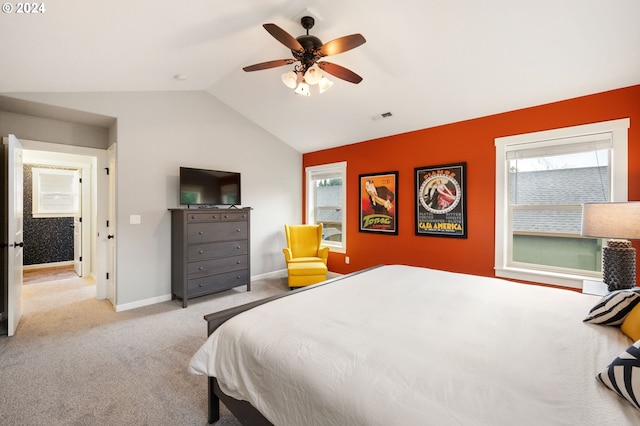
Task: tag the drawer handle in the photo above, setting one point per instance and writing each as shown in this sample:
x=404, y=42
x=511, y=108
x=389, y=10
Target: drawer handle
x=237, y=247
x=201, y=268
x=201, y=285
x=238, y=230
x=200, y=233
x=237, y=262
x=201, y=252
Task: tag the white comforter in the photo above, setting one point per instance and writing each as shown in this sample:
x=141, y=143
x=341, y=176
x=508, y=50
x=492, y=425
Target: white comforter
x=401, y=345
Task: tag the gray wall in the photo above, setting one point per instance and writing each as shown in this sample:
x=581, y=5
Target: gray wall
x=53, y=130
x=157, y=132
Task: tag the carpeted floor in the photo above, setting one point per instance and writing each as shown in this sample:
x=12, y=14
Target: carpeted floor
x=75, y=361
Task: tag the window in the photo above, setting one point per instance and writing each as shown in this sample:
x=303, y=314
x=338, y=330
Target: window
x=542, y=180
x=326, y=202
x=56, y=192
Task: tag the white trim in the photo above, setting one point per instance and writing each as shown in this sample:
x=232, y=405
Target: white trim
x=311, y=173
x=141, y=303
x=281, y=273
x=40, y=178
x=48, y=265
x=617, y=130
x=152, y=301
x=553, y=278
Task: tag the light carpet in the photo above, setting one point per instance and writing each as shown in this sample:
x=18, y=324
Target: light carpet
x=75, y=361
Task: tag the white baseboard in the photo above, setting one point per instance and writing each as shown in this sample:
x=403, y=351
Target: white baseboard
x=47, y=265
x=141, y=303
x=275, y=274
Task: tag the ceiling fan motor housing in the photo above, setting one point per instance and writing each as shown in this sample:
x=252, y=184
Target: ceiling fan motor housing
x=309, y=43
x=308, y=56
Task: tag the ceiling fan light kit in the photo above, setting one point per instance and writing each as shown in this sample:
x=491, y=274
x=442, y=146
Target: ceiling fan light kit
x=290, y=79
x=324, y=84
x=308, y=50
x=303, y=89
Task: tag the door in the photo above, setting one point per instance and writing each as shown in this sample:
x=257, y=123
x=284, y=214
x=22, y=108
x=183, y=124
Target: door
x=77, y=245
x=111, y=226
x=77, y=229
x=13, y=155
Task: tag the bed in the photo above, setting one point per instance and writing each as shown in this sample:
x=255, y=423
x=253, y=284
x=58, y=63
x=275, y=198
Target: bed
x=405, y=345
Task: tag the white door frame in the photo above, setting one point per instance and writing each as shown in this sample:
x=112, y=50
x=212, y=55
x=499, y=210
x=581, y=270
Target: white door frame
x=111, y=227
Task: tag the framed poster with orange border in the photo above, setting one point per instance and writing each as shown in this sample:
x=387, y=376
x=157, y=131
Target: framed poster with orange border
x=441, y=202
x=379, y=203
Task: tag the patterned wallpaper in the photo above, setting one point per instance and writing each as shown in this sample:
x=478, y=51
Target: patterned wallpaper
x=46, y=240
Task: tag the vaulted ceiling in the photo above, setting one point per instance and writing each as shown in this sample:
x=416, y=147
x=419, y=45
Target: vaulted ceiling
x=427, y=62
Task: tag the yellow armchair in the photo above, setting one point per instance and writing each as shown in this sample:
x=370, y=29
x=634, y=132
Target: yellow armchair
x=303, y=244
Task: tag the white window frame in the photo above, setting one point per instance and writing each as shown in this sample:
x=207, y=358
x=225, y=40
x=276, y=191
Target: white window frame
x=616, y=130
x=328, y=171
x=40, y=207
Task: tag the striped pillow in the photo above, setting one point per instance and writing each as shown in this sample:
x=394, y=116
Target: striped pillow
x=623, y=375
x=613, y=308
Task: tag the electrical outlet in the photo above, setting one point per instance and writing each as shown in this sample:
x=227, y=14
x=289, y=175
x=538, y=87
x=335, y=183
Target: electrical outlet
x=346, y=260
x=134, y=219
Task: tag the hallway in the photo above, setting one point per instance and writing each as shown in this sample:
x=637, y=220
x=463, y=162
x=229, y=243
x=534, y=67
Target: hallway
x=39, y=275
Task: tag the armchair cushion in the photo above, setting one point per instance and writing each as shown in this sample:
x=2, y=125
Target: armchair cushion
x=303, y=244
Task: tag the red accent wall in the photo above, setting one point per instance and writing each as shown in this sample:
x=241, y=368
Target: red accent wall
x=470, y=141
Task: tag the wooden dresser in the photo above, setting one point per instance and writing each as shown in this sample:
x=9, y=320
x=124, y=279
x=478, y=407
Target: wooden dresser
x=210, y=251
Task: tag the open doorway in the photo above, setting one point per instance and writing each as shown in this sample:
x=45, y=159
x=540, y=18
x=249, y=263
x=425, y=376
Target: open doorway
x=74, y=239
x=72, y=132
x=55, y=192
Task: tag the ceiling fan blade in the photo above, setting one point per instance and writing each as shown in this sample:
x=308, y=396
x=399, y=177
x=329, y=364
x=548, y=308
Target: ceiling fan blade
x=340, y=72
x=341, y=44
x=269, y=64
x=283, y=37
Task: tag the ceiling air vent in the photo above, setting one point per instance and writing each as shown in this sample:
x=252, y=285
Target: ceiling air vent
x=381, y=116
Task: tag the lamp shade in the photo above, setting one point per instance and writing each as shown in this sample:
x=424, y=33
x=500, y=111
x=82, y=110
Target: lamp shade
x=290, y=79
x=303, y=89
x=313, y=75
x=611, y=220
x=325, y=84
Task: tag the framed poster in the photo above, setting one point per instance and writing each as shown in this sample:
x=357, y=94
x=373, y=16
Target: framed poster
x=378, y=203
x=441, y=202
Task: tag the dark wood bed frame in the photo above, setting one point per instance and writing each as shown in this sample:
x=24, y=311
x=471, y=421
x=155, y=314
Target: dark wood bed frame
x=246, y=413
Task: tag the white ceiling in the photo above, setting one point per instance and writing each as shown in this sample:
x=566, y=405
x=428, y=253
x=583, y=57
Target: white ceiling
x=428, y=62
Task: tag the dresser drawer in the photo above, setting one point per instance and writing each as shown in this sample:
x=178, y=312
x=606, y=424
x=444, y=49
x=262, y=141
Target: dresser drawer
x=219, y=282
x=212, y=232
x=239, y=216
x=203, y=217
x=209, y=251
x=216, y=266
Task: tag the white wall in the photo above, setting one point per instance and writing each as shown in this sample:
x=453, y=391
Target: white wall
x=157, y=132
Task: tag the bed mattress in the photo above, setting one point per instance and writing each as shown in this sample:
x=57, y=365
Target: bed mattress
x=408, y=345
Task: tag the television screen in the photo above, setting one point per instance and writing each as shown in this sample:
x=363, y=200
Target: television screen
x=209, y=187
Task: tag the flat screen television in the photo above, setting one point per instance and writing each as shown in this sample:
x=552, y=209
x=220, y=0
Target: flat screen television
x=202, y=187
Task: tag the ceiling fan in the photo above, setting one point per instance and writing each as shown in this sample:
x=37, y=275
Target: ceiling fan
x=309, y=50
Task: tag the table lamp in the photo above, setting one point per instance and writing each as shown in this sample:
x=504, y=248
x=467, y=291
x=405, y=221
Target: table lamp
x=619, y=223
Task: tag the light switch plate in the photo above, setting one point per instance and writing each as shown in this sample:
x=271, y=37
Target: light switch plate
x=134, y=219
